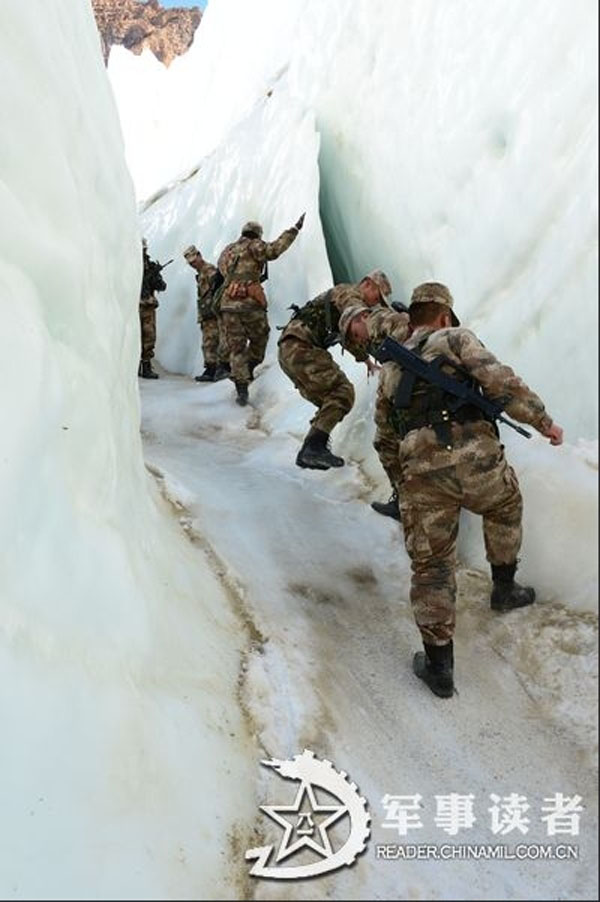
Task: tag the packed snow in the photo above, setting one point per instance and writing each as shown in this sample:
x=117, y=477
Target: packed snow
x=165, y=628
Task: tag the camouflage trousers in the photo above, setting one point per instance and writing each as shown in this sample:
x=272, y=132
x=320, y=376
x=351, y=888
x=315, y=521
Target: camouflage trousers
x=319, y=379
x=148, y=330
x=387, y=441
x=387, y=446
x=430, y=506
x=214, y=346
x=246, y=334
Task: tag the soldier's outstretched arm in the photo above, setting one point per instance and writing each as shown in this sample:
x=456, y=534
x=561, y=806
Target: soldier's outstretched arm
x=274, y=249
x=500, y=383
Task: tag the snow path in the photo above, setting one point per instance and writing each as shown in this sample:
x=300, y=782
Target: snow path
x=325, y=582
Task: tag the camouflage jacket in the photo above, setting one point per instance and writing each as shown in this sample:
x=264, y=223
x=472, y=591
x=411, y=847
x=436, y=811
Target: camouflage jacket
x=205, y=300
x=312, y=325
x=462, y=348
x=244, y=261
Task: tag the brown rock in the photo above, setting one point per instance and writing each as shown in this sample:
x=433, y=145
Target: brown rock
x=166, y=32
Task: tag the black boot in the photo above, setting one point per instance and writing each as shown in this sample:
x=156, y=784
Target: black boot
x=506, y=593
x=223, y=371
x=435, y=666
x=241, y=389
x=315, y=454
x=390, y=508
x=146, y=371
x=208, y=375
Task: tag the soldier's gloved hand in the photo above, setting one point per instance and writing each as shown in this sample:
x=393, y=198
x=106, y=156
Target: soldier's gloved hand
x=300, y=222
x=555, y=433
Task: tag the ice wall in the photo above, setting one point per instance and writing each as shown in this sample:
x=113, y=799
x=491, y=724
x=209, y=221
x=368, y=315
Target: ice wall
x=118, y=658
x=458, y=142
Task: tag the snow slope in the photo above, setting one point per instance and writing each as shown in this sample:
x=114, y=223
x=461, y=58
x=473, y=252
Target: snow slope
x=119, y=650
x=325, y=582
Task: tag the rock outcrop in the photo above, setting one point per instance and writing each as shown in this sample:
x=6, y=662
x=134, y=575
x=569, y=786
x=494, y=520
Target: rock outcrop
x=166, y=32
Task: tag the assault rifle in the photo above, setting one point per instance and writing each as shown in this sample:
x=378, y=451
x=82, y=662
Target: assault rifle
x=158, y=267
x=153, y=280
x=415, y=367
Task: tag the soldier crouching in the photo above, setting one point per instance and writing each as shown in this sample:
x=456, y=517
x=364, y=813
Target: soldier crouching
x=305, y=359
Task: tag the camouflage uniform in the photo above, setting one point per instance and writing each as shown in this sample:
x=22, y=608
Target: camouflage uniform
x=304, y=359
x=214, y=346
x=386, y=441
x=147, y=308
x=243, y=303
x=470, y=471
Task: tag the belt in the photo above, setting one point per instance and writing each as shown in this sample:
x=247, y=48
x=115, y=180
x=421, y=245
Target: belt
x=439, y=421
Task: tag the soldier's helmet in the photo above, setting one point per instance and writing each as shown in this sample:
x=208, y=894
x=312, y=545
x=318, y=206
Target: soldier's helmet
x=348, y=315
x=191, y=252
x=382, y=282
x=252, y=229
x=434, y=292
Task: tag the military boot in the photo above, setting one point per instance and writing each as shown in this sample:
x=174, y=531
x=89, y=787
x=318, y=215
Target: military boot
x=146, y=371
x=435, y=666
x=241, y=389
x=208, y=375
x=506, y=593
x=315, y=454
x=389, y=508
x=223, y=371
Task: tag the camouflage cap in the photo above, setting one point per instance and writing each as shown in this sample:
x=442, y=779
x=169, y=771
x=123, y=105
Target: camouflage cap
x=382, y=282
x=254, y=227
x=348, y=315
x=191, y=252
x=434, y=292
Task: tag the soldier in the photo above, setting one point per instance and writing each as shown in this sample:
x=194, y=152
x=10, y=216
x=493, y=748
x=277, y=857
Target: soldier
x=451, y=458
x=152, y=281
x=243, y=265
x=304, y=358
x=214, y=348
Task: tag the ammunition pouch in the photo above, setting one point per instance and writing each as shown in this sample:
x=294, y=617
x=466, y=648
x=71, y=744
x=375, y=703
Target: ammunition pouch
x=440, y=420
x=241, y=291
